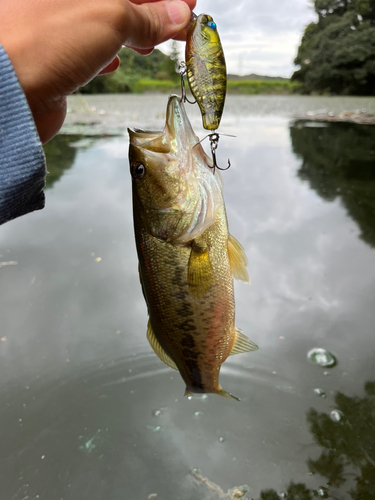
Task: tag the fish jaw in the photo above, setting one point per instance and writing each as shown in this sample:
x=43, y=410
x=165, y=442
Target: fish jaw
x=179, y=195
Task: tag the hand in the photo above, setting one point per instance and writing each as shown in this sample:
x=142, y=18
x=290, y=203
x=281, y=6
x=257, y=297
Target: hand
x=57, y=46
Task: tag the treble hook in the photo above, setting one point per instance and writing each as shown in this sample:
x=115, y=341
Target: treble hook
x=182, y=69
x=214, y=142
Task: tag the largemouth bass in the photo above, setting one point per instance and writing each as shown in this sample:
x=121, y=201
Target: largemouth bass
x=206, y=69
x=187, y=258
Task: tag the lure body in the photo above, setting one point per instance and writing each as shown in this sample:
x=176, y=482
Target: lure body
x=206, y=69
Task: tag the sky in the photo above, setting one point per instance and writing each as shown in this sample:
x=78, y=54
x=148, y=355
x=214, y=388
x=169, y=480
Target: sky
x=258, y=36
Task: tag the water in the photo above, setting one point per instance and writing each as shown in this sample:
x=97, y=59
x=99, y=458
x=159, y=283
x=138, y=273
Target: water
x=87, y=409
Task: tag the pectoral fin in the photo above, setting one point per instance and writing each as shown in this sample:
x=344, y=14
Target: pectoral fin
x=154, y=343
x=200, y=273
x=242, y=344
x=237, y=260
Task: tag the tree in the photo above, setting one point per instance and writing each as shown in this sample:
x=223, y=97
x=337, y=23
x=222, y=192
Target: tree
x=133, y=68
x=337, y=53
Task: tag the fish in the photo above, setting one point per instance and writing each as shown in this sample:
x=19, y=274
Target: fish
x=206, y=69
x=187, y=258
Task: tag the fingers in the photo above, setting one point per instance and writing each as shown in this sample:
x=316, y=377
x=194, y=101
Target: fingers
x=191, y=3
x=155, y=22
x=112, y=66
x=142, y=52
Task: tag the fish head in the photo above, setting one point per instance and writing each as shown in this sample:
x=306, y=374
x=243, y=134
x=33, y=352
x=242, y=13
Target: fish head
x=204, y=28
x=175, y=191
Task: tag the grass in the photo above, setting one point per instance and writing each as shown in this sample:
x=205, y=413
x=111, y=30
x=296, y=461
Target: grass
x=247, y=87
x=261, y=87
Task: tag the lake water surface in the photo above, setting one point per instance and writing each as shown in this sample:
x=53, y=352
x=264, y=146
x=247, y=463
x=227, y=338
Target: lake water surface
x=89, y=412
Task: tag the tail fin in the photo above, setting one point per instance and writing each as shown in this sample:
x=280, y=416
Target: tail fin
x=220, y=391
x=226, y=394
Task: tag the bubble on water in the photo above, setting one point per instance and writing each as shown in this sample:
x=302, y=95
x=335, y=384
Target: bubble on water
x=198, y=397
x=221, y=439
x=154, y=428
x=336, y=415
x=319, y=392
x=322, y=492
x=322, y=357
x=156, y=413
x=198, y=414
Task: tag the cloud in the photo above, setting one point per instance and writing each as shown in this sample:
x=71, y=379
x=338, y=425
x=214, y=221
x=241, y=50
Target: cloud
x=259, y=37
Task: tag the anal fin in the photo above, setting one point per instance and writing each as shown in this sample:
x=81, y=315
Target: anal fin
x=242, y=344
x=159, y=351
x=237, y=260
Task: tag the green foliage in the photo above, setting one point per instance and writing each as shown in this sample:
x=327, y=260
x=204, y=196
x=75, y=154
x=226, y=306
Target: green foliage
x=157, y=73
x=148, y=85
x=337, y=53
x=135, y=68
x=261, y=87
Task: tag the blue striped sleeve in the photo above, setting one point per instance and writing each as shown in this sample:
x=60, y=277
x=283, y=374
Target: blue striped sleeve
x=22, y=161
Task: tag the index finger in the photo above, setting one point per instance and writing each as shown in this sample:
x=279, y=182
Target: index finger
x=191, y=3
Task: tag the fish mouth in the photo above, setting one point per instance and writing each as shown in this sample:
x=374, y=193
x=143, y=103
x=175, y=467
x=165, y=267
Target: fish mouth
x=177, y=124
x=177, y=134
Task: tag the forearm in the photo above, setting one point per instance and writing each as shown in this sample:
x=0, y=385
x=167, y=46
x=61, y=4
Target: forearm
x=22, y=162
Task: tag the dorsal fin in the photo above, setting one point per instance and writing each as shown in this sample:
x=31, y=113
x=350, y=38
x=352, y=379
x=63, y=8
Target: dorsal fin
x=154, y=343
x=242, y=344
x=237, y=260
x=200, y=273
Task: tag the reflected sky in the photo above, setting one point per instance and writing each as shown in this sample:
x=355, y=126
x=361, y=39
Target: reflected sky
x=79, y=383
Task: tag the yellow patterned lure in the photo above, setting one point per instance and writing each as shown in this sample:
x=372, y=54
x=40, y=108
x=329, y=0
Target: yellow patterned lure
x=206, y=70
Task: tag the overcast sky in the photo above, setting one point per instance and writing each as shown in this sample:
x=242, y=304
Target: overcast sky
x=259, y=36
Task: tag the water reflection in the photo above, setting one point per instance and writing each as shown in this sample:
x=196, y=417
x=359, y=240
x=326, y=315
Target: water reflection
x=338, y=161
x=60, y=153
x=89, y=412
x=348, y=450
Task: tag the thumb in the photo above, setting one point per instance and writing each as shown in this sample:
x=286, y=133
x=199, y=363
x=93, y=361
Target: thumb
x=153, y=23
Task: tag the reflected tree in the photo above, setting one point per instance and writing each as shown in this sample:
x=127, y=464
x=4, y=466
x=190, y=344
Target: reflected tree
x=348, y=443
x=348, y=447
x=60, y=156
x=338, y=160
x=294, y=491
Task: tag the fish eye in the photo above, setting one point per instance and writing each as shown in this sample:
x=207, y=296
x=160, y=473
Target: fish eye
x=138, y=171
x=211, y=24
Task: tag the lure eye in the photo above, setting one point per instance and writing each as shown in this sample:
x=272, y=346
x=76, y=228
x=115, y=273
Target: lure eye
x=211, y=24
x=138, y=171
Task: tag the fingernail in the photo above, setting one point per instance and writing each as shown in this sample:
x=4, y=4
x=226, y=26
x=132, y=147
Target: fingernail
x=178, y=11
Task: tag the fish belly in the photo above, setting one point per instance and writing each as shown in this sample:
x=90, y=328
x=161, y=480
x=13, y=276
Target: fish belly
x=197, y=332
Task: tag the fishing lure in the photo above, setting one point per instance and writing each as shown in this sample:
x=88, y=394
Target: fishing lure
x=206, y=74
x=206, y=69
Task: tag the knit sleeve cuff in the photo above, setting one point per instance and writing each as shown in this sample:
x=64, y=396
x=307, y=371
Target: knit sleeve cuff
x=22, y=160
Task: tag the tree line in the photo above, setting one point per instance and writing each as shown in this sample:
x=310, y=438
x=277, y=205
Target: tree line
x=337, y=53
